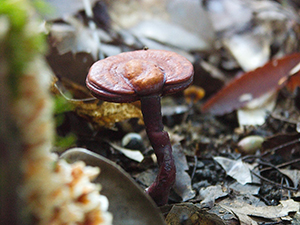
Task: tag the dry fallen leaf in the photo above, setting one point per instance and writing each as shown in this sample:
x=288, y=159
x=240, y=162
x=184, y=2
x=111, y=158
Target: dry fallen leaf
x=249, y=30
x=235, y=168
x=269, y=212
x=245, y=189
x=188, y=213
x=128, y=202
x=183, y=182
x=294, y=175
x=251, y=85
x=107, y=113
x=212, y=193
x=179, y=23
x=102, y=114
x=256, y=111
x=60, y=8
x=284, y=145
x=135, y=155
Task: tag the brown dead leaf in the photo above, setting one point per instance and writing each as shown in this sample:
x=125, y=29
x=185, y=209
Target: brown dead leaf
x=211, y=194
x=293, y=82
x=294, y=175
x=182, y=186
x=251, y=85
x=268, y=212
x=287, y=146
x=190, y=214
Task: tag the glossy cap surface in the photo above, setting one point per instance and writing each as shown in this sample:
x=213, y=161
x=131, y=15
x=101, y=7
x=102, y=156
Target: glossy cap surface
x=128, y=76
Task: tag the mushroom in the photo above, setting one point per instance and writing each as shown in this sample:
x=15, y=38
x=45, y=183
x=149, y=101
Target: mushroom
x=145, y=75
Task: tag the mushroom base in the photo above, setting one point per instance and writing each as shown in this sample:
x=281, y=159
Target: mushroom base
x=160, y=141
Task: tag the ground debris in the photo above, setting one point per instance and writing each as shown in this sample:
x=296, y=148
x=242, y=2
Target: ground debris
x=223, y=39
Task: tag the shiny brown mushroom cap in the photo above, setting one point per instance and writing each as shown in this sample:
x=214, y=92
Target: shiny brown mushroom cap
x=130, y=75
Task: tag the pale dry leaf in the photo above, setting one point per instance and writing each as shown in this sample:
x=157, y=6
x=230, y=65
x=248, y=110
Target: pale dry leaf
x=180, y=24
x=63, y=8
x=211, y=193
x=294, y=175
x=269, y=212
x=183, y=182
x=245, y=189
x=135, y=155
x=188, y=213
x=237, y=169
x=169, y=34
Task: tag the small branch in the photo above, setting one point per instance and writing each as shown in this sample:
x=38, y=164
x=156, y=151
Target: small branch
x=273, y=183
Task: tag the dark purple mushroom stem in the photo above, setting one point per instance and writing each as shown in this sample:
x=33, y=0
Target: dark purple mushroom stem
x=160, y=141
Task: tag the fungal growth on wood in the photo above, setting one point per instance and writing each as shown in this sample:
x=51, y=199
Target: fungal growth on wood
x=145, y=75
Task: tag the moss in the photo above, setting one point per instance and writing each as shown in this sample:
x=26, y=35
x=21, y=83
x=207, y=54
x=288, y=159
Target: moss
x=61, y=104
x=66, y=141
x=20, y=44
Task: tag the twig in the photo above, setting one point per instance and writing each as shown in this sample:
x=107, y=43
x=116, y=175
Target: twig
x=195, y=167
x=280, y=147
x=273, y=183
x=282, y=165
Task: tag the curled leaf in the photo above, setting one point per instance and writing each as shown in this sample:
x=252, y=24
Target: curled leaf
x=127, y=201
x=135, y=155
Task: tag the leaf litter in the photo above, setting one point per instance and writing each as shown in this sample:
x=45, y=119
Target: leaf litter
x=214, y=173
